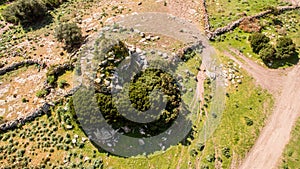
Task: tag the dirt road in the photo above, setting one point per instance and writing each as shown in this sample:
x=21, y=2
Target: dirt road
x=294, y=2
x=268, y=148
x=275, y=135
x=269, y=79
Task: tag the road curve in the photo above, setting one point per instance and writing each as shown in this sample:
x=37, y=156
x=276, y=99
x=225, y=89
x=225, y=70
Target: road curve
x=276, y=134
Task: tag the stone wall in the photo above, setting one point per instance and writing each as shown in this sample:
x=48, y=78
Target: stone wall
x=17, y=65
x=44, y=109
x=60, y=69
x=205, y=18
x=231, y=26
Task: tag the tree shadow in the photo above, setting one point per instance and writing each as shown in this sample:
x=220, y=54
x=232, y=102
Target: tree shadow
x=275, y=64
x=40, y=23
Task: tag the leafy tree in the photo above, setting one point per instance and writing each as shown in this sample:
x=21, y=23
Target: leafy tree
x=268, y=53
x=25, y=12
x=70, y=34
x=258, y=41
x=285, y=48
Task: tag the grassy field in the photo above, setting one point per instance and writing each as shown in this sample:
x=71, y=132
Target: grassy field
x=291, y=155
x=46, y=142
x=238, y=39
x=222, y=12
x=236, y=133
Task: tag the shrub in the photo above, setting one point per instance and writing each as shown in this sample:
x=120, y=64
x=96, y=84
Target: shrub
x=2, y=119
x=51, y=79
x=258, y=41
x=25, y=12
x=249, y=122
x=62, y=83
x=24, y=100
x=51, y=4
x=204, y=166
x=285, y=48
x=42, y=93
x=268, y=53
x=226, y=152
x=193, y=153
x=200, y=146
x=70, y=34
x=211, y=158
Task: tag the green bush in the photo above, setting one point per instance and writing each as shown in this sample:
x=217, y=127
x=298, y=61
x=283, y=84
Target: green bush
x=25, y=12
x=62, y=83
x=226, y=152
x=193, y=153
x=249, y=121
x=51, y=80
x=24, y=100
x=42, y=93
x=286, y=48
x=258, y=41
x=268, y=53
x=200, y=146
x=70, y=34
x=211, y=158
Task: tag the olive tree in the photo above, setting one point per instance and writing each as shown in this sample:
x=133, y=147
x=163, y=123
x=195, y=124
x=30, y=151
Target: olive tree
x=70, y=34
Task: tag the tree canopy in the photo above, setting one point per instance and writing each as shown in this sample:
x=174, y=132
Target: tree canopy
x=25, y=12
x=258, y=41
x=268, y=53
x=285, y=48
x=70, y=34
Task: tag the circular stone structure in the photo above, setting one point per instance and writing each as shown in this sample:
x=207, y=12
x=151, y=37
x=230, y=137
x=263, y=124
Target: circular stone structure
x=92, y=121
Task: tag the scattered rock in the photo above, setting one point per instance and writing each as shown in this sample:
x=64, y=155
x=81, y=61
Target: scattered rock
x=98, y=80
x=141, y=142
x=138, y=50
x=86, y=159
x=69, y=127
x=83, y=139
x=148, y=37
x=142, y=34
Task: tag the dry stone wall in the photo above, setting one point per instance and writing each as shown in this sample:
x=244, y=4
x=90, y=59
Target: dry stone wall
x=211, y=34
x=17, y=65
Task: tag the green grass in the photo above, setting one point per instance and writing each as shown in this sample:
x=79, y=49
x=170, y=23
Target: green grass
x=33, y=137
x=238, y=39
x=190, y=65
x=291, y=154
x=222, y=12
x=290, y=25
x=233, y=132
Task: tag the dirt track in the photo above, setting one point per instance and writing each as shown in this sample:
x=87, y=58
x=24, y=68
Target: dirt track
x=269, y=79
x=275, y=135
